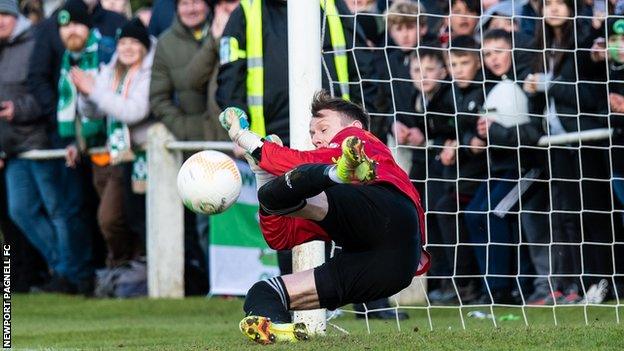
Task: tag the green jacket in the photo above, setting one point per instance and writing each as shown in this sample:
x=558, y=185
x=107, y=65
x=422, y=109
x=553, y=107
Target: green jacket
x=172, y=98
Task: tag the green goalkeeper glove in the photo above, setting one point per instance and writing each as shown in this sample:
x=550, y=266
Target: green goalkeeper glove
x=235, y=121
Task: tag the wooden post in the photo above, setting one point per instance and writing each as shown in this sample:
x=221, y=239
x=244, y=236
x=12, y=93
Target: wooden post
x=165, y=217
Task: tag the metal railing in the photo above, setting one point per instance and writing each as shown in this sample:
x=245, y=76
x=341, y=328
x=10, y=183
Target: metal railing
x=165, y=214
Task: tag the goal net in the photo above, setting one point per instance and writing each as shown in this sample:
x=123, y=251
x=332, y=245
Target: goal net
x=505, y=115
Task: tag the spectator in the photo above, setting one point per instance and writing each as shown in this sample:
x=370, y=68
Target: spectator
x=202, y=72
x=203, y=68
x=570, y=108
x=182, y=109
x=33, y=10
x=46, y=63
x=367, y=18
x=43, y=80
x=464, y=18
x=120, y=93
x=506, y=123
x=529, y=17
x=405, y=27
x=614, y=46
x=430, y=78
x=465, y=149
x=501, y=16
x=31, y=201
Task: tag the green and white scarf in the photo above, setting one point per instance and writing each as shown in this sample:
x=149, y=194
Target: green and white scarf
x=88, y=61
x=118, y=133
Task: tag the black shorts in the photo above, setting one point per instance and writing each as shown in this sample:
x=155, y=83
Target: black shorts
x=378, y=229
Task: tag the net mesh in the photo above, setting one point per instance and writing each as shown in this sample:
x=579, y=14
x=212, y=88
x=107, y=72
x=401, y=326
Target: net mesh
x=518, y=168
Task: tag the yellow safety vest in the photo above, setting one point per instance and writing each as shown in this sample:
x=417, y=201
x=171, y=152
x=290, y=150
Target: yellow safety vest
x=254, y=56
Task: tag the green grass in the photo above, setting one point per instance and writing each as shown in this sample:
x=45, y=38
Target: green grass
x=54, y=322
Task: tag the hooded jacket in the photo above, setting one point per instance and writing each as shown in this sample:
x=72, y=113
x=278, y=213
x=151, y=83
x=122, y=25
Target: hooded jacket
x=24, y=132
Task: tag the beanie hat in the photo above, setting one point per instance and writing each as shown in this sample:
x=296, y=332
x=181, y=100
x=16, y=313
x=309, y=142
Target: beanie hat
x=9, y=7
x=74, y=11
x=615, y=26
x=135, y=29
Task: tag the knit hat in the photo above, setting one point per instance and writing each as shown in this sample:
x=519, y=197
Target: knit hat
x=74, y=11
x=615, y=26
x=9, y=7
x=135, y=29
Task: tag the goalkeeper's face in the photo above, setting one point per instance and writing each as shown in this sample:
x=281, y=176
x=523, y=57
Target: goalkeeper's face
x=326, y=124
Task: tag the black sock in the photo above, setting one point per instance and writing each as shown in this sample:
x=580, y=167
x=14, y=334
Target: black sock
x=288, y=193
x=269, y=298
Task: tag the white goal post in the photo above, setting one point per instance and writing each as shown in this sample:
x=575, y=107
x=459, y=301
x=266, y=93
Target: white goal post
x=304, y=79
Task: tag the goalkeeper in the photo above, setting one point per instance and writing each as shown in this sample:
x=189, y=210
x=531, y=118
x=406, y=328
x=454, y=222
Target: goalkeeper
x=367, y=205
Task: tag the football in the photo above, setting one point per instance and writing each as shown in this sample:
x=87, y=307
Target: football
x=209, y=182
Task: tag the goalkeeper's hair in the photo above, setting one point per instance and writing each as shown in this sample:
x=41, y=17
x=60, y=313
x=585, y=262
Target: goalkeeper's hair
x=324, y=101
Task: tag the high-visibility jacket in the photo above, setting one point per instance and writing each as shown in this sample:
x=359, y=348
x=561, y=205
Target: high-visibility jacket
x=270, y=66
x=254, y=55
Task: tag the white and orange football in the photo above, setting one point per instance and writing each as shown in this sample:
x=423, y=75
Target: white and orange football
x=209, y=182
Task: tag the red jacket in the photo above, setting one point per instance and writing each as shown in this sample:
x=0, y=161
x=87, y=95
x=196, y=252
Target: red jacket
x=282, y=232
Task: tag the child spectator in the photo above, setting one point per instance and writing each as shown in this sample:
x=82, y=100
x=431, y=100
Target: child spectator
x=430, y=78
x=463, y=20
x=506, y=123
x=405, y=28
x=501, y=16
x=462, y=154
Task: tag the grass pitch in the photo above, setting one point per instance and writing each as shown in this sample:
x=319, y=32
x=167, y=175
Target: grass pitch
x=54, y=322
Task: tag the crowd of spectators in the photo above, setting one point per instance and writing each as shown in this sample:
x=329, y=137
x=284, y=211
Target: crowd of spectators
x=462, y=90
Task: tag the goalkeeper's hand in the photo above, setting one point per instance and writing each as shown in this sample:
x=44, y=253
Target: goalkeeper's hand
x=262, y=176
x=235, y=121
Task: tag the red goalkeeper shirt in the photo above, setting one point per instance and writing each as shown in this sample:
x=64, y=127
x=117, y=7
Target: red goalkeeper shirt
x=282, y=232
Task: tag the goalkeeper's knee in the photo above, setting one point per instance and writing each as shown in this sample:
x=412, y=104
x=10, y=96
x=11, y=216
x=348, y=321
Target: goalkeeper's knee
x=275, y=198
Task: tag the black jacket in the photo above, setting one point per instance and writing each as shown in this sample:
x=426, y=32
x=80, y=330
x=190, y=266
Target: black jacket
x=503, y=159
x=578, y=97
x=45, y=61
x=469, y=103
x=232, y=90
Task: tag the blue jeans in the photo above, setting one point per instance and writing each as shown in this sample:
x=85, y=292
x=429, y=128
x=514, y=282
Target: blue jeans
x=485, y=227
x=46, y=210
